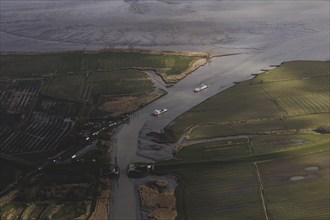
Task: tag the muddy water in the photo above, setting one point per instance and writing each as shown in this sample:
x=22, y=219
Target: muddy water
x=179, y=98
x=125, y=142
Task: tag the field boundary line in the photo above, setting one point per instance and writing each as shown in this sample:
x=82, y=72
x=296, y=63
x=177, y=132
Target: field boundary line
x=261, y=188
x=250, y=143
x=295, y=79
x=273, y=99
x=319, y=105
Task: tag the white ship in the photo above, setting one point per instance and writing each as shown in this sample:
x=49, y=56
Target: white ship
x=159, y=111
x=200, y=88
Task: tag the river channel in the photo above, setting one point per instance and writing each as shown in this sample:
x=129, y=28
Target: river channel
x=219, y=74
x=261, y=33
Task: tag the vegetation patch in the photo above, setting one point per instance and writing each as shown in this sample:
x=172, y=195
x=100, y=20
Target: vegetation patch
x=103, y=204
x=215, y=150
x=158, y=200
x=262, y=104
x=323, y=129
x=121, y=105
x=12, y=211
x=211, y=130
x=275, y=142
x=71, y=211
x=229, y=191
x=34, y=210
x=45, y=99
x=251, y=151
x=287, y=183
x=212, y=184
x=89, y=86
x=171, y=65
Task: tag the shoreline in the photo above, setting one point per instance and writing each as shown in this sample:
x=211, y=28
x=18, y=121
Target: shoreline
x=125, y=50
x=170, y=80
x=282, y=31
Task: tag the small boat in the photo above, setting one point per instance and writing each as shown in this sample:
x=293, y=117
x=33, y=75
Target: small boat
x=159, y=111
x=200, y=88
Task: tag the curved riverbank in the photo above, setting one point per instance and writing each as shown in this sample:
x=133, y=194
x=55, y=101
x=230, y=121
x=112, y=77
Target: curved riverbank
x=265, y=32
x=219, y=74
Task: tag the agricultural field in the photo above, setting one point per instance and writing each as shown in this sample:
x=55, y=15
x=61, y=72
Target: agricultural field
x=300, y=184
x=32, y=123
x=57, y=107
x=262, y=104
x=42, y=95
x=227, y=108
x=85, y=87
x=211, y=174
x=257, y=145
x=307, y=95
x=40, y=133
x=214, y=150
x=67, y=87
x=231, y=129
x=307, y=121
x=43, y=210
x=288, y=124
x=230, y=191
x=36, y=65
x=262, y=144
x=18, y=96
x=55, y=195
x=255, y=152
x=43, y=92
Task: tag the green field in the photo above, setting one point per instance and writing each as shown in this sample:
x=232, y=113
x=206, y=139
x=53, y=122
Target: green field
x=54, y=201
x=307, y=121
x=80, y=87
x=226, y=191
x=94, y=89
x=301, y=96
x=93, y=78
x=72, y=210
x=66, y=87
x=214, y=150
x=262, y=144
x=44, y=210
x=289, y=97
x=12, y=210
x=278, y=170
x=257, y=145
x=220, y=179
x=229, y=129
x=306, y=198
x=33, y=211
x=24, y=65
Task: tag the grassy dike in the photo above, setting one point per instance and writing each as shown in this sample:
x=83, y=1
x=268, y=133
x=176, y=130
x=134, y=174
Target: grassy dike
x=261, y=175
